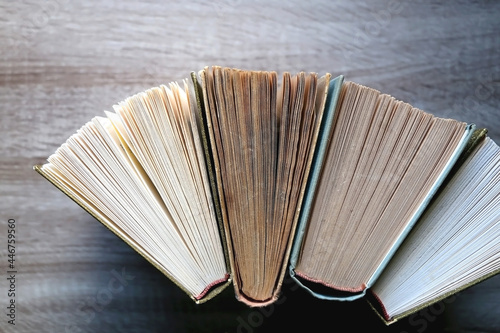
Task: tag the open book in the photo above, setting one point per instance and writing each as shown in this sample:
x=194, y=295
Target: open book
x=236, y=177
x=141, y=172
x=454, y=245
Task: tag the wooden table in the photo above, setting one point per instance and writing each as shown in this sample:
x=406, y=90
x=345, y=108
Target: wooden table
x=64, y=62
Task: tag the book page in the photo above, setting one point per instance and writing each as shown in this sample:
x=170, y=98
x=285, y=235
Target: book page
x=142, y=170
x=262, y=137
x=455, y=242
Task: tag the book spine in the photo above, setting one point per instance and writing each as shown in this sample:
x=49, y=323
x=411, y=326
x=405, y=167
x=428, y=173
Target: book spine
x=209, y=160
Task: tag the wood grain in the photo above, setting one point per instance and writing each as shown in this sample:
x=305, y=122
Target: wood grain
x=63, y=63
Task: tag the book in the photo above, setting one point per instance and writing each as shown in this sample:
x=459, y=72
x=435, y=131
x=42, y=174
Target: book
x=383, y=163
x=455, y=243
x=141, y=172
x=262, y=136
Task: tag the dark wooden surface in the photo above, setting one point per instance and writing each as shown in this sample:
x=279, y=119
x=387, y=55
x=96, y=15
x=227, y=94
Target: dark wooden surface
x=63, y=62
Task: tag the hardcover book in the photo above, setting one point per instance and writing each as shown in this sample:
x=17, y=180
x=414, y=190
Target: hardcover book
x=141, y=171
x=455, y=243
x=384, y=162
x=262, y=141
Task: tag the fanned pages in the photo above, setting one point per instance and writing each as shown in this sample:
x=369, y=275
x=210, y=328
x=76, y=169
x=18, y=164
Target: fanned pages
x=454, y=245
x=141, y=171
x=262, y=139
x=236, y=177
x=384, y=162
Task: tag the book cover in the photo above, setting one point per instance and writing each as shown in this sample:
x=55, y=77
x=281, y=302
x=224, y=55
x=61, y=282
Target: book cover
x=319, y=156
x=197, y=95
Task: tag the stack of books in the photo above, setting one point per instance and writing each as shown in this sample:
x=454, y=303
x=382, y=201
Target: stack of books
x=238, y=177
